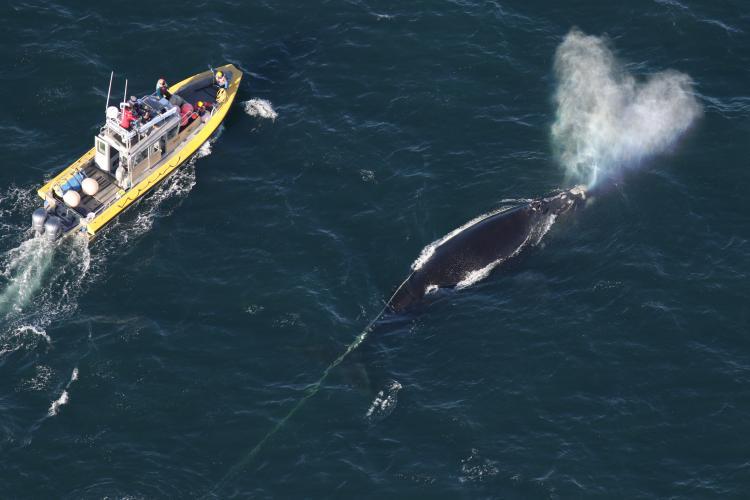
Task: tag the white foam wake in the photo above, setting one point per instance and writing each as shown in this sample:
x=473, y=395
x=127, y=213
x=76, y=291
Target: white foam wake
x=207, y=147
x=24, y=269
x=40, y=282
x=606, y=119
x=260, y=108
x=34, y=330
x=161, y=203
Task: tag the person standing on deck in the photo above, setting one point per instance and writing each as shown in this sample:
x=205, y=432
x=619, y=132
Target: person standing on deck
x=127, y=116
x=162, y=91
x=220, y=80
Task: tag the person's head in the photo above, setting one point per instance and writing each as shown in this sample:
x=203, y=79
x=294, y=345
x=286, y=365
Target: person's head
x=133, y=99
x=201, y=104
x=162, y=82
x=219, y=75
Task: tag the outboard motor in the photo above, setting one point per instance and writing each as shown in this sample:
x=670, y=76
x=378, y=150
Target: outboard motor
x=52, y=228
x=37, y=220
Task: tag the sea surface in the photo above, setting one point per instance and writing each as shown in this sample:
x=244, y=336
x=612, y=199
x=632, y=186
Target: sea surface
x=611, y=360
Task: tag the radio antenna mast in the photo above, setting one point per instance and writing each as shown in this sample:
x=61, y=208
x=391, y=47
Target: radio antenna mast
x=109, y=91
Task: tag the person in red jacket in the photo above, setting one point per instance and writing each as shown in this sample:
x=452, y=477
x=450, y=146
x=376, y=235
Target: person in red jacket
x=127, y=117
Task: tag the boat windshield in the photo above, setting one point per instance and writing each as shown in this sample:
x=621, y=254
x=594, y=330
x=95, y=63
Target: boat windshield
x=154, y=104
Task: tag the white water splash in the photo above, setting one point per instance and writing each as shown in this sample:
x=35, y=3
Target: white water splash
x=54, y=408
x=24, y=336
x=384, y=403
x=56, y=404
x=260, y=108
x=207, y=147
x=157, y=204
x=204, y=150
x=474, y=468
x=34, y=330
x=608, y=121
x=15, y=202
x=39, y=382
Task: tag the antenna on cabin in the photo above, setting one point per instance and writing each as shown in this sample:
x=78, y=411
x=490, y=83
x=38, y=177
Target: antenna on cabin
x=109, y=91
x=125, y=96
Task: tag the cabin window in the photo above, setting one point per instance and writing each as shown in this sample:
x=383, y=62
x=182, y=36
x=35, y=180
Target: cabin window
x=101, y=147
x=172, y=133
x=139, y=157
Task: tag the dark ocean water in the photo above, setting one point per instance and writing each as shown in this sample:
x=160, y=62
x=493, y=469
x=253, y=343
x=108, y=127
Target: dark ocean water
x=611, y=361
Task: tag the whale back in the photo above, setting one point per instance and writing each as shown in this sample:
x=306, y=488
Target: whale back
x=471, y=252
x=493, y=238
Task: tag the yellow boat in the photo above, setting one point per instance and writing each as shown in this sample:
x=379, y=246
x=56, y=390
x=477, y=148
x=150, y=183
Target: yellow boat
x=126, y=163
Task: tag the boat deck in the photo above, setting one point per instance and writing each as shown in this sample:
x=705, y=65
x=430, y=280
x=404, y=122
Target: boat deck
x=206, y=93
x=108, y=189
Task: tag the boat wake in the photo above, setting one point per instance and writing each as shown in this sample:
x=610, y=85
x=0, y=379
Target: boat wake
x=38, y=284
x=163, y=201
x=15, y=204
x=260, y=108
x=40, y=281
x=24, y=270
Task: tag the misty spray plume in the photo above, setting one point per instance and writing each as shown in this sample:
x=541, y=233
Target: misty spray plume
x=606, y=120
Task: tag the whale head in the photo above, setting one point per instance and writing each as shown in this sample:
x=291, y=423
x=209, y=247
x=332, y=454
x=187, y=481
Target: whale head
x=564, y=201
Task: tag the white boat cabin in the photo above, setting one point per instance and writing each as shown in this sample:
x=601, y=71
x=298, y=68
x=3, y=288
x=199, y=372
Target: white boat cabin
x=128, y=153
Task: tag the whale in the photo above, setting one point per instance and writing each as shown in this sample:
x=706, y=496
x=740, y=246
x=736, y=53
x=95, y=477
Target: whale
x=474, y=250
x=459, y=259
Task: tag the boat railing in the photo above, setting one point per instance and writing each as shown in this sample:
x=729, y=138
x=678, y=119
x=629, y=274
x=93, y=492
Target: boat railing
x=138, y=130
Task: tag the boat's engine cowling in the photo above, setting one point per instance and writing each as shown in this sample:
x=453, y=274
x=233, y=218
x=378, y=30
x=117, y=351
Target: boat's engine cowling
x=52, y=228
x=37, y=220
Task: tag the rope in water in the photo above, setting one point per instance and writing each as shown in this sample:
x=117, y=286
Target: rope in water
x=310, y=392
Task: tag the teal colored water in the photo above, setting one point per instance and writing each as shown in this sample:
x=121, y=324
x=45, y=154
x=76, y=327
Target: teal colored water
x=610, y=361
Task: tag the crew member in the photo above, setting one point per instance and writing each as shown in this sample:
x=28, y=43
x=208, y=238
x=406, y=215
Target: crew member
x=204, y=110
x=161, y=89
x=163, y=93
x=136, y=107
x=127, y=116
x=220, y=79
